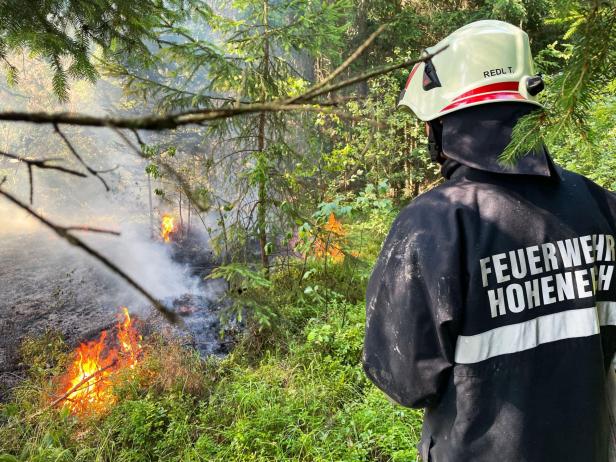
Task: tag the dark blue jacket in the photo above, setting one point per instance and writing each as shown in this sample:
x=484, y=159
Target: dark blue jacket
x=493, y=306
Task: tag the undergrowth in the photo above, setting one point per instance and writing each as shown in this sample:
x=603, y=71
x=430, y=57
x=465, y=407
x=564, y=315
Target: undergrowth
x=292, y=389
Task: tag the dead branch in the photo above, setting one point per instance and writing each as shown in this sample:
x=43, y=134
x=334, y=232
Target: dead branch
x=65, y=233
x=66, y=395
x=371, y=74
x=90, y=229
x=42, y=164
x=71, y=148
x=78, y=385
x=347, y=62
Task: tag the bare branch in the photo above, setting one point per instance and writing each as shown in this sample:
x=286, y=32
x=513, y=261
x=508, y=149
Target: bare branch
x=373, y=73
x=79, y=385
x=65, y=396
x=65, y=233
x=43, y=164
x=71, y=148
x=347, y=62
x=91, y=229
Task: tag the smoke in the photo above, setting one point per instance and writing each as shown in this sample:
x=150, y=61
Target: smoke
x=69, y=200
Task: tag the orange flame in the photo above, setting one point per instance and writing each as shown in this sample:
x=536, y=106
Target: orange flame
x=331, y=249
x=167, y=227
x=89, y=378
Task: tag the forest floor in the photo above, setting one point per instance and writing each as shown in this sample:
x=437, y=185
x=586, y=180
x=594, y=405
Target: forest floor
x=292, y=389
x=44, y=288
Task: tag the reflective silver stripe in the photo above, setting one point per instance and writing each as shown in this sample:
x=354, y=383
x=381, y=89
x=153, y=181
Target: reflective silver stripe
x=607, y=313
x=526, y=335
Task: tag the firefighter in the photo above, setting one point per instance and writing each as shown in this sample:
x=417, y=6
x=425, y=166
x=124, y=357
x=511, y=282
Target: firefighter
x=493, y=301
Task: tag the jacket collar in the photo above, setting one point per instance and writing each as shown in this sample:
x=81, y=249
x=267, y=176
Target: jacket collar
x=477, y=136
x=453, y=170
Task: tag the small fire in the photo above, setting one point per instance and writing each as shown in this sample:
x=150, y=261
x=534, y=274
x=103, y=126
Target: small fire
x=89, y=378
x=167, y=227
x=331, y=248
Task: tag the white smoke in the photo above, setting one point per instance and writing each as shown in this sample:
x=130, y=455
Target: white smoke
x=69, y=200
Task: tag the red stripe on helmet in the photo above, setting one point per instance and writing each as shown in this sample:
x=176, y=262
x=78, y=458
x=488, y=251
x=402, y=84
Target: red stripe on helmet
x=411, y=75
x=503, y=95
x=500, y=86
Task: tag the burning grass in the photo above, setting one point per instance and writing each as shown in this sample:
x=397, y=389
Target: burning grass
x=294, y=391
x=87, y=385
x=331, y=246
x=304, y=399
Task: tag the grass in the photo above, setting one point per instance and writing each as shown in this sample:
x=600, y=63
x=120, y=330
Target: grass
x=292, y=390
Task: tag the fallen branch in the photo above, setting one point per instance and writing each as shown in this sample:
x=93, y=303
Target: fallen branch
x=66, y=395
x=78, y=386
x=65, y=233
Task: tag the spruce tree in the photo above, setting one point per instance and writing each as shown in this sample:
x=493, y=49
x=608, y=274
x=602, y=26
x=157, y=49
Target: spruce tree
x=251, y=51
x=65, y=32
x=580, y=79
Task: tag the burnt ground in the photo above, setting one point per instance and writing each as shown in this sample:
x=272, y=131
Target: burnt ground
x=46, y=285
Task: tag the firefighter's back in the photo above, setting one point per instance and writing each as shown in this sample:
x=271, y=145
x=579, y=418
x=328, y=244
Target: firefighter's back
x=537, y=330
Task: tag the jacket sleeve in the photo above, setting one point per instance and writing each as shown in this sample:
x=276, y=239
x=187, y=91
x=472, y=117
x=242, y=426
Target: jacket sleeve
x=412, y=305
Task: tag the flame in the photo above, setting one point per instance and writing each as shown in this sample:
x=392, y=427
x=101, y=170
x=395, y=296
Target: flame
x=88, y=382
x=167, y=227
x=331, y=249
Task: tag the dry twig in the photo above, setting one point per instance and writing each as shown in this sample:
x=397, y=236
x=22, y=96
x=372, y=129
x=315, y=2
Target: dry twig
x=71, y=148
x=42, y=164
x=66, y=395
x=78, y=386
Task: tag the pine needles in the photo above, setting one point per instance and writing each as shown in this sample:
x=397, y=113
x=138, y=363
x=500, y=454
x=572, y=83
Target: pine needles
x=588, y=70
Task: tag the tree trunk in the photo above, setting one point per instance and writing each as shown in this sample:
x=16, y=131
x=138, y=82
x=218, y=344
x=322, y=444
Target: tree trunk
x=262, y=187
x=181, y=219
x=362, y=35
x=150, y=205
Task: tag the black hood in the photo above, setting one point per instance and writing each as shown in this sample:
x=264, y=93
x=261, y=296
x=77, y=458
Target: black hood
x=478, y=135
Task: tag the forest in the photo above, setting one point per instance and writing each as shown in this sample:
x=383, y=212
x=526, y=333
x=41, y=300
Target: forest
x=193, y=195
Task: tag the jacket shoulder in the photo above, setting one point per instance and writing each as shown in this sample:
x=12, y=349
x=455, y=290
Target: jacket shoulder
x=440, y=204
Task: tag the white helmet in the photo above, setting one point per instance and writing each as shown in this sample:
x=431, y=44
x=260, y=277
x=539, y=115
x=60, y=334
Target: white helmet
x=484, y=62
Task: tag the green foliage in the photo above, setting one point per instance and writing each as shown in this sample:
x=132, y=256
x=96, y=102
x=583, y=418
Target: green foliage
x=293, y=390
x=63, y=33
x=576, y=93
x=394, y=151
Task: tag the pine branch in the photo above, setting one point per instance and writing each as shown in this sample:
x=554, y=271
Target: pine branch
x=197, y=117
x=525, y=138
x=573, y=91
